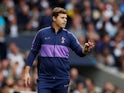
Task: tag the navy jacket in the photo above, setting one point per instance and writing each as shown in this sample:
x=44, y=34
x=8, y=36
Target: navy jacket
x=54, y=52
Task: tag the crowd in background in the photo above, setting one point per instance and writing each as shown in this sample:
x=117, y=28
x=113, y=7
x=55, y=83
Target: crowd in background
x=101, y=21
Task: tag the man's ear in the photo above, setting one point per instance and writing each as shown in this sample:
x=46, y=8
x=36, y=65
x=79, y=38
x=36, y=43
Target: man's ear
x=54, y=18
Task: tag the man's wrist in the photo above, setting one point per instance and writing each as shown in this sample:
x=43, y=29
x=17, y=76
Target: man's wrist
x=27, y=69
x=85, y=50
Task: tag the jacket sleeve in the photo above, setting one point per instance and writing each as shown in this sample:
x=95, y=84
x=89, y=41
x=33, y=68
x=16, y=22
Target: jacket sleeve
x=75, y=45
x=36, y=44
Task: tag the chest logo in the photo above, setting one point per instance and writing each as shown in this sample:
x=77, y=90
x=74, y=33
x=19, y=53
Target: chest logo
x=62, y=40
x=46, y=38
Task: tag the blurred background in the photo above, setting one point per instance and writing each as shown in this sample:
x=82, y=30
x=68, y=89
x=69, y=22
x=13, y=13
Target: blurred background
x=101, y=21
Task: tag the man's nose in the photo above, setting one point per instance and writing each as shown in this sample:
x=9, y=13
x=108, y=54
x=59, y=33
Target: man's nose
x=65, y=20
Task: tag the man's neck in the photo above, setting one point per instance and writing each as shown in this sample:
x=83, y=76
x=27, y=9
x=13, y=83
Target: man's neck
x=55, y=27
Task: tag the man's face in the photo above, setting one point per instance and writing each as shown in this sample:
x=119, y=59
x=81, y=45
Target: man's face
x=61, y=20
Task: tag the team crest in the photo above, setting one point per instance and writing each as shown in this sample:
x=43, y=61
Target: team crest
x=63, y=40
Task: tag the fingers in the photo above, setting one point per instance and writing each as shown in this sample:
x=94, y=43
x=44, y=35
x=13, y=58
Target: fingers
x=89, y=46
x=27, y=81
x=86, y=48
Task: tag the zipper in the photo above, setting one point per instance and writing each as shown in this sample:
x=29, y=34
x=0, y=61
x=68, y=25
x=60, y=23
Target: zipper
x=54, y=44
x=54, y=56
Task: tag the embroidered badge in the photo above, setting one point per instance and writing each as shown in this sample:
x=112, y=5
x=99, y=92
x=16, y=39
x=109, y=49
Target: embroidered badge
x=63, y=40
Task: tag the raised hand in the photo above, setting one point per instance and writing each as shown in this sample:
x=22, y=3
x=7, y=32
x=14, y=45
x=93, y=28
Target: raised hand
x=88, y=47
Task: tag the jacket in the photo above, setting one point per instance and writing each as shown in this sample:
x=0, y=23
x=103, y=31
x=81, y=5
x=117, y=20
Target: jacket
x=53, y=49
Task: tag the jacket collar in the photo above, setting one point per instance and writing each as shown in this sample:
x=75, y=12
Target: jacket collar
x=53, y=29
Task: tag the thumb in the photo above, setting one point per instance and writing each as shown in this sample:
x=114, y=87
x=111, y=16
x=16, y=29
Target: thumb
x=86, y=45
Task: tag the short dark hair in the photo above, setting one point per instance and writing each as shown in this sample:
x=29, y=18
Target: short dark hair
x=58, y=10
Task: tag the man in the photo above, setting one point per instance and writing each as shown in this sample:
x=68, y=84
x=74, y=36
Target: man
x=53, y=43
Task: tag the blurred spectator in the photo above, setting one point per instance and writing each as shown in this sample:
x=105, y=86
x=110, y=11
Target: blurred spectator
x=4, y=89
x=22, y=12
x=9, y=3
x=70, y=7
x=121, y=61
x=77, y=28
x=12, y=22
x=80, y=88
x=16, y=60
x=5, y=68
x=32, y=3
x=3, y=47
x=108, y=88
x=91, y=33
x=117, y=90
x=33, y=23
x=1, y=78
x=87, y=17
x=2, y=19
x=116, y=14
x=44, y=4
x=108, y=59
x=2, y=23
x=90, y=86
x=122, y=52
x=118, y=44
x=105, y=42
x=75, y=80
x=45, y=19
